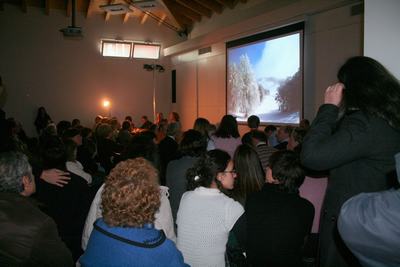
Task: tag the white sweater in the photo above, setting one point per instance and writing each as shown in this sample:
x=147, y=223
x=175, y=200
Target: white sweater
x=204, y=219
x=164, y=220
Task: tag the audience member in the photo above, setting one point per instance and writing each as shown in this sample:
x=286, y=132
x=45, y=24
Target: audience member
x=202, y=125
x=264, y=152
x=206, y=215
x=124, y=135
x=126, y=236
x=107, y=149
x=167, y=147
x=296, y=139
x=253, y=122
x=282, y=136
x=28, y=237
x=159, y=118
x=276, y=219
x=67, y=205
x=76, y=123
x=369, y=224
x=270, y=131
x=305, y=124
x=192, y=146
x=250, y=175
x=42, y=120
x=73, y=165
x=146, y=124
x=357, y=148
x=227, y=136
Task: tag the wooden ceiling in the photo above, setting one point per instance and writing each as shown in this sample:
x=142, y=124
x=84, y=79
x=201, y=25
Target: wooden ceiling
x=178, y=15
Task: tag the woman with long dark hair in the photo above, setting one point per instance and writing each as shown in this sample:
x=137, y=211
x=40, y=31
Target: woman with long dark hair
x=355, y=135
x=227, y=136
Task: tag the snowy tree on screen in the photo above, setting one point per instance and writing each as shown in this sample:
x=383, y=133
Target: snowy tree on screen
x=289, y=94
x=245, y=94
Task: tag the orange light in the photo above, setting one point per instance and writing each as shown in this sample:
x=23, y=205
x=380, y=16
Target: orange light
x=106, y=103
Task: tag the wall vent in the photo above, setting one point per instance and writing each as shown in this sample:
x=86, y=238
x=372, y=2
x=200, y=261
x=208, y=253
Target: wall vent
x=205, y=50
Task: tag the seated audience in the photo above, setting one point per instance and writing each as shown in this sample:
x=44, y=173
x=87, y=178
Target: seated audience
x=276, y=219
x=124, y=135
x=28, y=237
x=270, y=131
x=167, y=147
x=146, y=124
x=202, y=125
x=369, y=224
x=107, y=149
x=253, y=122
x=250, y=175
x=227, y=135
x=174, y=124
x=72, y=164
x=192, y=146
x=126, y=236
x=159, y=118
x=67, y=205
x=282, y=136
x=76, y=123
x=62, y=126
x=42, y=120
x=259, y=141
x=207, y=214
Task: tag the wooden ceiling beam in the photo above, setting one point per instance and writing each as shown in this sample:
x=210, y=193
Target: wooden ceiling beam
x=143, y=18
x=173, y=14
x=210, y=4
x=228, y=3
x=47, y=5
x=90, y=8
x=24, y=5
x=182, y=10
x=69, y=8
x=193, y=5
x=126, y=17
x=108, y=14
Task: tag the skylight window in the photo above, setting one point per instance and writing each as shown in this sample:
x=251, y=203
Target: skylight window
x=116, y=49
x=150, y=51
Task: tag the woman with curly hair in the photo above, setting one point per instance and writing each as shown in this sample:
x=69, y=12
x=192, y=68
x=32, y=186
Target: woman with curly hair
x=126, y=236
x=206, y=214
x=358, y=148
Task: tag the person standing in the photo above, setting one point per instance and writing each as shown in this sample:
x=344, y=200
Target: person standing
x=358, y=147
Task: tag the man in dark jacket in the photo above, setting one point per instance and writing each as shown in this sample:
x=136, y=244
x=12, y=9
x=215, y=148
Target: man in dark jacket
x=28, y=237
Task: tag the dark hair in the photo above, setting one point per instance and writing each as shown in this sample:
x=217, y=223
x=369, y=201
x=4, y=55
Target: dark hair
x=246, y=139
x=202, y=125
x=126, y=125
x=259, y=135
x=228, y=127
x=250, y=174
x=142, y=145
x=175, y=115
x=253, y=122
x=75, y=122
x=70, y=150
x=193, y=144
x=269, y=128
x=287, y=169
x=298, y=134
x=69, y=133
x=128, y=118
x=206, y=169
x=53, y=154
x=85, y=132
x=370, y=87
x=62, y=126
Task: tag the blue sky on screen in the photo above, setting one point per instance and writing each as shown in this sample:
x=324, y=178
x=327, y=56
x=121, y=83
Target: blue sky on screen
x=271, y=58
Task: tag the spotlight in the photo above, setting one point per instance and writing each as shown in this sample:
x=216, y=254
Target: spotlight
x=106, y=103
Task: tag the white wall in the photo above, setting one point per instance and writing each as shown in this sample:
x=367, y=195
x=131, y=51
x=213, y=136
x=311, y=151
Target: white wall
x=70, y=77
x=331, y=36
x=381, y=33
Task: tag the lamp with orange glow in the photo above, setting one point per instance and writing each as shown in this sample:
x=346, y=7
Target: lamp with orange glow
x=107, y=105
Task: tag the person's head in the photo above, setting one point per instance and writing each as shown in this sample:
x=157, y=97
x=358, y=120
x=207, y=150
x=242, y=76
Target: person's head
x=173, y=117
x=53, y=154
x=76, y=123
x=250, y=174
x=16, y=174
x=172, y=129
x=143, y=145
x=305, y=124
x=73, y=134
x=115, y=124
x=258, y=137
x=285, y=170
x=213, y=170
x=246, y=139
x=129, y=118
x=201, y=125
x=193, y=144
x=253, y=122
x=228, y=127
x=370, y=87
x=126, y=125
x=269, y=130
x=98, y=119
x=159, y=117
x=144, y=119
x=283, y=133
x=41, y=112
x=104, y=131
x=70, y=150
x=86, y=133
x=62, y=126
x=296, y=138
x=131, y=195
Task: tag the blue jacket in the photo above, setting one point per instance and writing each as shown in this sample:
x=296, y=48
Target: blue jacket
x=129, y=246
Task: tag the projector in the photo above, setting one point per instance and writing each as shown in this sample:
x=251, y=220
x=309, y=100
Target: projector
x=72, y=31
